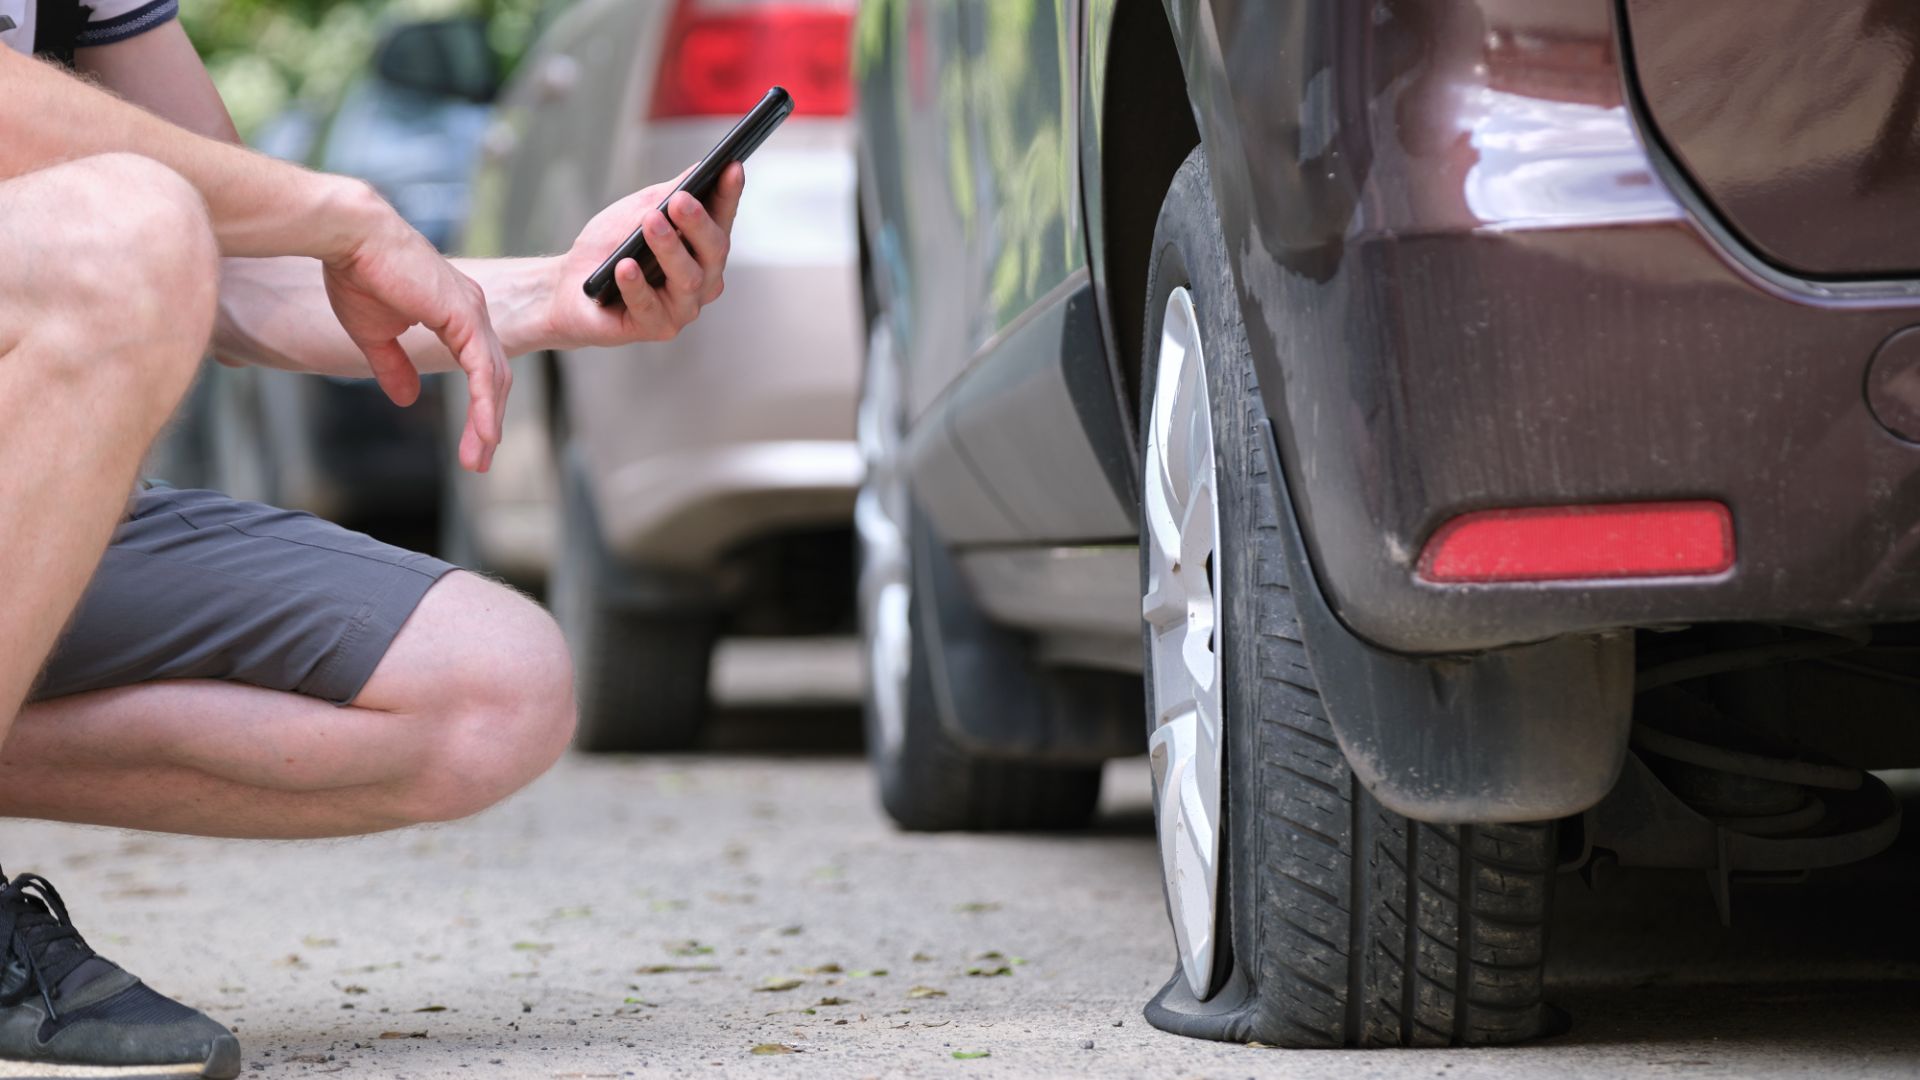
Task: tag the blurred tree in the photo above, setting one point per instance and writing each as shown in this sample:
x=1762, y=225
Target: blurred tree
x=268, y=54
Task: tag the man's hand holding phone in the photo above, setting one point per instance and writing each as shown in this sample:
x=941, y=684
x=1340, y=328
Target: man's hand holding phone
x=390, y=279
x=693, y=259
x=641, y=270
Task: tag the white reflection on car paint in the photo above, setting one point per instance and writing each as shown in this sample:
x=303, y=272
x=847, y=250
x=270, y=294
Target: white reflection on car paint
x=1543, y=163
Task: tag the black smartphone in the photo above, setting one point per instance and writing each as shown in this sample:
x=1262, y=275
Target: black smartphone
x=744, y=139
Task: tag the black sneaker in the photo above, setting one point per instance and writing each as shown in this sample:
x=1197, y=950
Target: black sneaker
x=72, y=1013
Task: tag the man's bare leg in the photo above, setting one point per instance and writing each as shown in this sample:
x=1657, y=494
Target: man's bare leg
x=108, y=276
x=473, y=699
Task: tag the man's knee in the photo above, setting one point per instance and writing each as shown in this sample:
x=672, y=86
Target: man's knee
x=134, y=271
x=501, y=710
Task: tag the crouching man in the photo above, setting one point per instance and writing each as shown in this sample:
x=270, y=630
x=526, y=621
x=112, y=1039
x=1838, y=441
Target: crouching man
x=185, y=662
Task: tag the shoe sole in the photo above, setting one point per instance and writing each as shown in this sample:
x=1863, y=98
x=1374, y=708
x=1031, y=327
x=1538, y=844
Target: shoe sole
x=223, y=1063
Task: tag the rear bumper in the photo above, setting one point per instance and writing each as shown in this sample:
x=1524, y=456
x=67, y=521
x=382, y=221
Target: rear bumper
x=1616, y=364
x=1530, y=309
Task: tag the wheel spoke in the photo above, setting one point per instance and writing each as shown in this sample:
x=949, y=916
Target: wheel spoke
x=1164, y=507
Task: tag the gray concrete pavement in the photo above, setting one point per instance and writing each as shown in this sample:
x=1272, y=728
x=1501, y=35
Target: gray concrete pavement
x=667, y=917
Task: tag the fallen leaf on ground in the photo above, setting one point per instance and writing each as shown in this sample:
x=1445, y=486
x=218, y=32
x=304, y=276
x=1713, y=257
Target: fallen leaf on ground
x=147, y=892
x=765, y=1049
x=791, y=931
x=309, y=1059
x=831, y=1001
x=922, y=958
x=669, y=969
x=925, y=992
x=776, y=982
x=989, y=972
x=876, y=973
x=976, y=907
x=431, y=1008
x=691, y=948
x=319, y=942
x=403, y=1034
x=823, y=969
x=969, y=1055
x=353, y=989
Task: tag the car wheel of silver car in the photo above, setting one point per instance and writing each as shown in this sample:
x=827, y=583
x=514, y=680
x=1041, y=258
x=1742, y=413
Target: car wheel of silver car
x=642, y=645
x=1305, y=913
x=928, y=781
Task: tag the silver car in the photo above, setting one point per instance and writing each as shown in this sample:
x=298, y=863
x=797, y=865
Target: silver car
x=665, y=491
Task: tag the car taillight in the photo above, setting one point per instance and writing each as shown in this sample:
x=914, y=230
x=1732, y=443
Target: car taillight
x=1570, y=543
x=719, y=60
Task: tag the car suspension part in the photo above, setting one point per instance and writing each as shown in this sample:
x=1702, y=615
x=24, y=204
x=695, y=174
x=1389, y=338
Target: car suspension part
x=1702, y=790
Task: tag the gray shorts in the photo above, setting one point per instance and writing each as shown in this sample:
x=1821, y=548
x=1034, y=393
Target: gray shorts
x=197, y=585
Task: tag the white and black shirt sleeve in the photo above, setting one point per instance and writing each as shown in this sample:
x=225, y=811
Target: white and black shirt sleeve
x=118, y=20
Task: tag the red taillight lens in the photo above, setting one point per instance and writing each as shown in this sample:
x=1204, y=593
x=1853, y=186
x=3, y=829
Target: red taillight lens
x=718, y=61
x=1567, y=543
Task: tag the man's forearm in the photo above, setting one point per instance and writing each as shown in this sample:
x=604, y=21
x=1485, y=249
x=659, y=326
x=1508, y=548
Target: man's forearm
x=259, y=206
x=274, y=313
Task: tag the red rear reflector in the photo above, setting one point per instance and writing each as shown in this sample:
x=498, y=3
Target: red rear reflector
x=1563, y=543
x=719, y=61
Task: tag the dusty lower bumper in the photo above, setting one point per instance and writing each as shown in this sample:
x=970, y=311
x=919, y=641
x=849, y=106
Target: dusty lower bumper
x=1621, y=363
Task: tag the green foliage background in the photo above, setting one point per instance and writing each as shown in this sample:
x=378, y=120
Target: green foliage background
x=266, y=54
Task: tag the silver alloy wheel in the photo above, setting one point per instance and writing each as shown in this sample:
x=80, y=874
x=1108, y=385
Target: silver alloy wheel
x=1181, y=607
x=880, y=519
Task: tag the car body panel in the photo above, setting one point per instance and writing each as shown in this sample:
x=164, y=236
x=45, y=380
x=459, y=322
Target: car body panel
x=1795, y=119
x=1047, y=447
x=1051, y=468
x=1065, y=597
x=911, y=87
x=1021, y=111
x=1011, y=350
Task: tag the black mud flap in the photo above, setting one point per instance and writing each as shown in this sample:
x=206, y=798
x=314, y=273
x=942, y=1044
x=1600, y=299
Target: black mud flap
x=1528, y=733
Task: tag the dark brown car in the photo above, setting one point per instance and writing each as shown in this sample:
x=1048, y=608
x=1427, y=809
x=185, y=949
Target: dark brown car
x=1485, y=433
